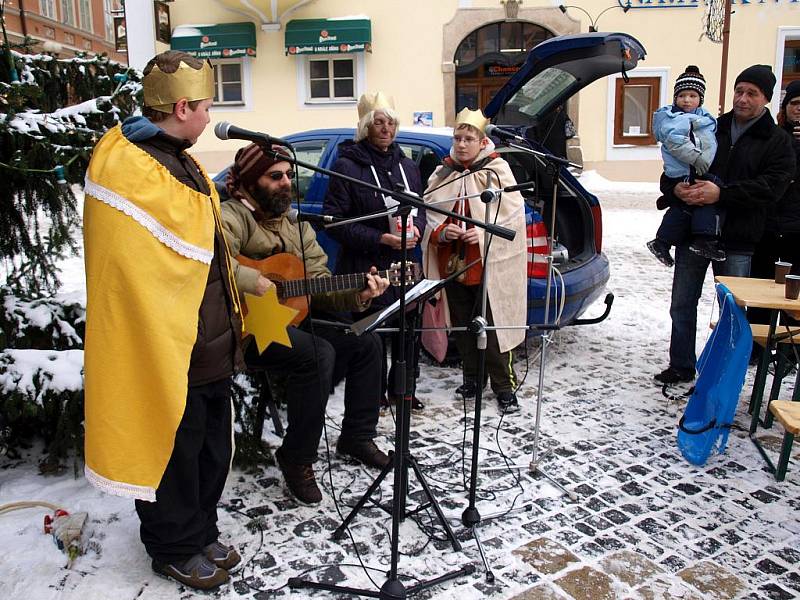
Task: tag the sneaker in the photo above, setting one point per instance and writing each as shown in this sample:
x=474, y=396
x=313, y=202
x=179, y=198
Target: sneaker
x=672, y=375
x=507, y=401
x=198, y=572
x=660, y=250
x=300, y=480
x=225, y=557
x=708, y=248
x=364, y=451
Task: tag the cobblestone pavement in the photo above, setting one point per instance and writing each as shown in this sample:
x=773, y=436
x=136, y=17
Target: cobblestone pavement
x=644, y=524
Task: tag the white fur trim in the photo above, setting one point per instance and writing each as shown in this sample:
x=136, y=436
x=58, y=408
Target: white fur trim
x=117, y=488
x=161, y=233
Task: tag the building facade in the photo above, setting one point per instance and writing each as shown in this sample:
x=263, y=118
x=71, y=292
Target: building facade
x=284, y=66
x=65, y=27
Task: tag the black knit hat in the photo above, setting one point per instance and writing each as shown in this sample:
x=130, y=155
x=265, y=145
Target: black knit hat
x=691, y=79
x=792, y=91
x=760, y=76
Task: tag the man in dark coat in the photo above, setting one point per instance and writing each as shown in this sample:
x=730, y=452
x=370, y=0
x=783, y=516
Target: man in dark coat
x=755, y=161
x=373, y=157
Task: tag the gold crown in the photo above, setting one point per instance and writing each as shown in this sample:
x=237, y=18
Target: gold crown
x=472, y=117
x=163, y=90
x=377, y=101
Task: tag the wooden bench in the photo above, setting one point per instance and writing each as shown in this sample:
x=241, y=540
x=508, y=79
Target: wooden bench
x=787, y=414
x=783, y=334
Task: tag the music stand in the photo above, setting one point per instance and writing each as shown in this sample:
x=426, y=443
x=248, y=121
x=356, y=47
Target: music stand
x=401, y=460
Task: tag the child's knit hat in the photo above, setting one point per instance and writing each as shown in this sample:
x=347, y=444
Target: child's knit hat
x=691, y=79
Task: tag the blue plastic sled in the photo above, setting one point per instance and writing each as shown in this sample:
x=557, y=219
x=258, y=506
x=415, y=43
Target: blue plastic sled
x=721, y=370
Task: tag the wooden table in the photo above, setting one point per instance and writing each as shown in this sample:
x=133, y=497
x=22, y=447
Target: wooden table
x=760, y=293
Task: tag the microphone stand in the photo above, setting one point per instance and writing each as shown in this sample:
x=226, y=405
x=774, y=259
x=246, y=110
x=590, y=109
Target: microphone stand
x=393, y=588
x=554, y=164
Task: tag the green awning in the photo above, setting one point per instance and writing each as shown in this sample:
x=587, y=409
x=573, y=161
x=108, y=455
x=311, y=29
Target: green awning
x=328, y=36
x=226, y=40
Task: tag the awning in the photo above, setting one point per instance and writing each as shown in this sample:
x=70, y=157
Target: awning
x=328, y=36
x=226, y=40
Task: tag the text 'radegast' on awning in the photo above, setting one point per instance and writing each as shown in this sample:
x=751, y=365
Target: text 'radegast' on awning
x=328, y=36
x=225, y=40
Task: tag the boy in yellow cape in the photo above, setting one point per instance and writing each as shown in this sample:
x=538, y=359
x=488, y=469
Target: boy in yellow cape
x=163, y=325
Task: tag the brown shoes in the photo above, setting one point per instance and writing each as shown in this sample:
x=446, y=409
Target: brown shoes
x=364, y=451
x=300, y=480
x=198, y=572
x=225, y=557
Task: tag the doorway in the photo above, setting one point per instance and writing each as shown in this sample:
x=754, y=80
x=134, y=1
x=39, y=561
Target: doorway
x=488, y=56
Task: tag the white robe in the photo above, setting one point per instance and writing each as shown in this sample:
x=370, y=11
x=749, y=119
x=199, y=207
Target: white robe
x=507, y=277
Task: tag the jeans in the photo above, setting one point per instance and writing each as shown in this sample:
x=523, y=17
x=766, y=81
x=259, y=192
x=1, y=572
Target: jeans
x=313, y=366
x=687, y=285
x=183, y=519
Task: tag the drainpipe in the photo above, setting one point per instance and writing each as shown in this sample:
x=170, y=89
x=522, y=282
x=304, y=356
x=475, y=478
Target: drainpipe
x=22, y=21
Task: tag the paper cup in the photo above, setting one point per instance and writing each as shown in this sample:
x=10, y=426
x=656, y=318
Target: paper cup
x=792, y=287
x=782, y=270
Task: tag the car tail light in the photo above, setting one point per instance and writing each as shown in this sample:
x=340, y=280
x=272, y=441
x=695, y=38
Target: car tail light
x=537, y=247
x=597, y=213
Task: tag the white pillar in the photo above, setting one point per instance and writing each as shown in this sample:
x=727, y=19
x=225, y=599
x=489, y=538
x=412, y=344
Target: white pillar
x=141, y=29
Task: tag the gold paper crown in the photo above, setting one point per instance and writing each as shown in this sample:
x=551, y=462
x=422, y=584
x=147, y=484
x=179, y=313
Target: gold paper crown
x=163, y=90
x=376, y=101
x=472, y=117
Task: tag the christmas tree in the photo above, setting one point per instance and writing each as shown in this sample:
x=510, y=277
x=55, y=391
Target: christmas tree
x=52, y=111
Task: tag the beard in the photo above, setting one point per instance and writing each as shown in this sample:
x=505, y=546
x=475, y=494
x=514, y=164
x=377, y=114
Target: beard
x=274, y=204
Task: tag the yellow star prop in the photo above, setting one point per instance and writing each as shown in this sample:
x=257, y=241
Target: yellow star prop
x=267, y=319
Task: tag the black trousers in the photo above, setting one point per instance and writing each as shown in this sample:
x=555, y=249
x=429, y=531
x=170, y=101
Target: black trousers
x=183, y=519
x=773, y=246
x=464, y=304
x=681, y=222
x=312, y=375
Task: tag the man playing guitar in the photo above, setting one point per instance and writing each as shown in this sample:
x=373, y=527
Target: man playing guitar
x=256, y=227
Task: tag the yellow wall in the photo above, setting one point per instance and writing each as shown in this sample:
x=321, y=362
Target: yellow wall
x=407, y=61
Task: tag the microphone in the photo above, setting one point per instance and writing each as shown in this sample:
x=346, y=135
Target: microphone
x=490, y=195
x=528, y=185
x=504, y=134
x=226, y=131
x=295, y=215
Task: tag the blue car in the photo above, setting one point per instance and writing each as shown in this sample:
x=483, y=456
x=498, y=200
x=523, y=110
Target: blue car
x=554, y=70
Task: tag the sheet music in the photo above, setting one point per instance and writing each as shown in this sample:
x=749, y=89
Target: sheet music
x=411, y=295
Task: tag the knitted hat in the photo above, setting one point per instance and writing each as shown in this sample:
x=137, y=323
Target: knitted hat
x=792, y=91
x=248, y=166
x=691, y=79
x=760, y=76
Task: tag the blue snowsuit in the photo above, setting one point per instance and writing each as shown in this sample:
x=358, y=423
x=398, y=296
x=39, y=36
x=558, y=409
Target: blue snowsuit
x=688, y=146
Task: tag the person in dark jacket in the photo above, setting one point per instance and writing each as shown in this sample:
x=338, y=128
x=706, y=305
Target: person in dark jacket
x=755, y=162
x=374, y=157
x=163, y=265
x=781, y=240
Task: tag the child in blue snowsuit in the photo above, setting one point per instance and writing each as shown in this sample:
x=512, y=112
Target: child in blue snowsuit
x=686, y=131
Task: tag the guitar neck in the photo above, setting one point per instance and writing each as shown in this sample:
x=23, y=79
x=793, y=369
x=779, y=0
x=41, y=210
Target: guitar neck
x=322, y=285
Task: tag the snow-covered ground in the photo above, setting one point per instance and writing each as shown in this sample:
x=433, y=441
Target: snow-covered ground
x=614, y=438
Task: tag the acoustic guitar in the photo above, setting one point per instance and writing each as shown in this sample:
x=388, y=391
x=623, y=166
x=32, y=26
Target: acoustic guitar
x=285, y=270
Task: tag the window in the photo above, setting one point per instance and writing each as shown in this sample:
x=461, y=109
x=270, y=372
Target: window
x=635, y=103
x=228, y=83
x=85, y=14
x=310, y=152
x=68, y=12
x=331, y=79
x=47, y=8
x=426, y=159
x=108, y=18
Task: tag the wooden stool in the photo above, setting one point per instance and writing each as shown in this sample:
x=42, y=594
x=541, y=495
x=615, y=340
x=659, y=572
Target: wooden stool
x=788, y=414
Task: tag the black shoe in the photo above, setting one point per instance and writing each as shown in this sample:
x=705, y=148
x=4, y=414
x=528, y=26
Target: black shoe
x=708, y=248
x=300, y=480
x=507, y=401
x=364, y=451
x=198, y=572
x=225, y=557
x=672, y=375
x=660, y=250
x=468, y=389
x=415, y=402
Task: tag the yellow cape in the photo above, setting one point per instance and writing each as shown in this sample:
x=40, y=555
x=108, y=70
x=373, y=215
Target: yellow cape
x=149, y=241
